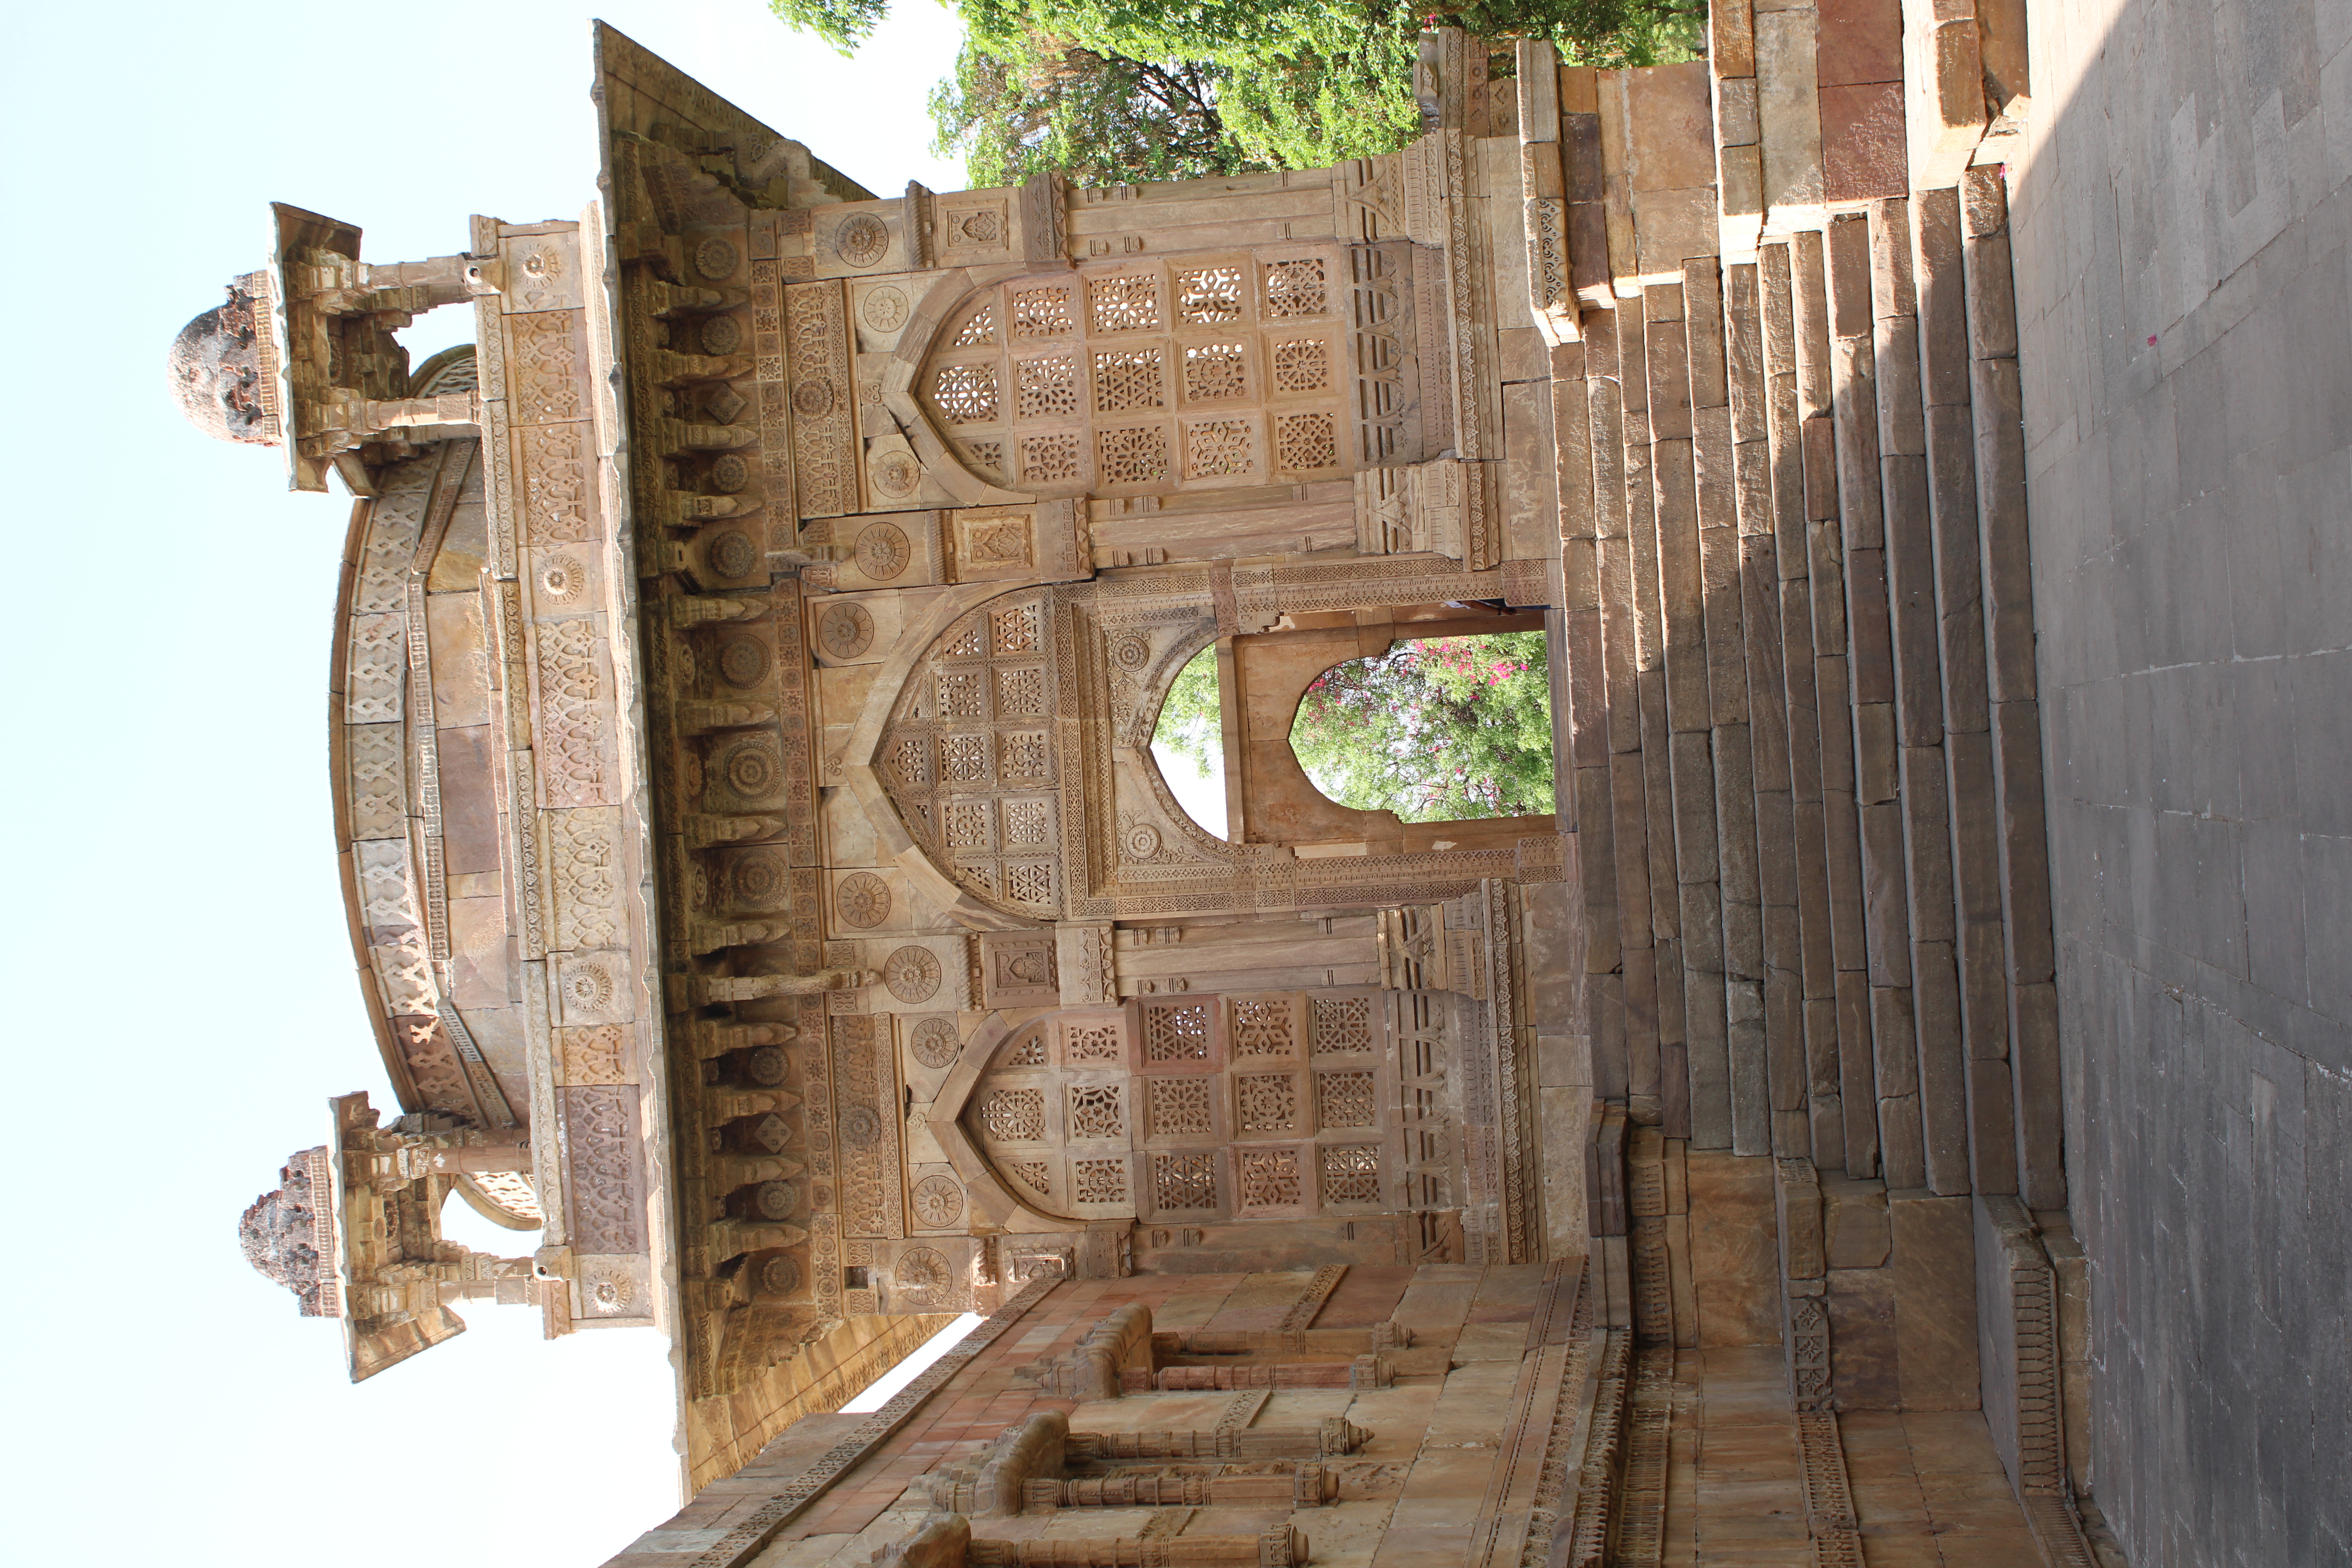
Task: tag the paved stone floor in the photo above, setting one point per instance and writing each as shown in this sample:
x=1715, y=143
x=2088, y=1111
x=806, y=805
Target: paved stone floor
x=1928, y=1488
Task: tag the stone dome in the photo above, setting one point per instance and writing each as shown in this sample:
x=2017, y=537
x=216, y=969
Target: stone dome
x=276, y=1233
x=218, y=370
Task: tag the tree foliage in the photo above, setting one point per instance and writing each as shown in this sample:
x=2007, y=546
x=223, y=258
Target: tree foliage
x=1030, y=105
x=844, y=24
x=1114, y=91
x=1435, y=730
x=1191, y=723
x=1264, y=86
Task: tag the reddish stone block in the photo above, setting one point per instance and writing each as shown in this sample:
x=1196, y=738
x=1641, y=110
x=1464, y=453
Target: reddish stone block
x=1858, y=41
x=1863, y=151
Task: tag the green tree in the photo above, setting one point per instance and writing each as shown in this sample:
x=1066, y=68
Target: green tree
x=1111, y=91
x=844, y=24
x=1434, y=729
x=1191, y=721
x=1295, y=88
x=1028, y=104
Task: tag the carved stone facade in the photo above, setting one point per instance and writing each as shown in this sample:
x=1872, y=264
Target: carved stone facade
x=746, y=673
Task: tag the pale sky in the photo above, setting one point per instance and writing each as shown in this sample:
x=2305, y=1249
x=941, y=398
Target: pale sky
x=181, y=998
x=1202, y=795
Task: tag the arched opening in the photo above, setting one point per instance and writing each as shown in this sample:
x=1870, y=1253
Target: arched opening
x=1433, y=729
x=1189, y=741
x=1405, y=764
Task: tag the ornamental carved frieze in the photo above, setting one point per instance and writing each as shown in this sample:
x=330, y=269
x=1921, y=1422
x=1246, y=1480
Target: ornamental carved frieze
x=822, y=397
x=866, y=1127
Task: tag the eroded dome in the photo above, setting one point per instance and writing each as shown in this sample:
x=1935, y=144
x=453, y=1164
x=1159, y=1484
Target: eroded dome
x=276, y=1237
x=217, y=371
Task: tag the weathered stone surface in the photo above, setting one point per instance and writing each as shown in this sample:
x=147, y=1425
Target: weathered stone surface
x=1885, y=894
x=1732, y=39
x=1902, y=427
x=1927, y=844
x=1862, y=41
x=1735, y=123
x=1735, y=1249
x=1865, y=1358
x=1740, y=183
x=1857, y=1080
x=1855, y=1228
x=1847, y=255
x=1788, y=108
x=1857, y=441
x=1670, y=120
x=1798, y=1194
x=1864, y=151
x=1935, y=1301
x=1871, y=646
x=1943, y=1068
x=1940, y=288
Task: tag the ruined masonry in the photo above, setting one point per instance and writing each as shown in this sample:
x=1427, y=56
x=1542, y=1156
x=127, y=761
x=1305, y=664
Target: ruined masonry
x=745, y=665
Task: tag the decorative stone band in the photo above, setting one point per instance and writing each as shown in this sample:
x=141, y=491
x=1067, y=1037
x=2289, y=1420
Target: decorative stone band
x=1327, y=1440
x=1304, y=1485
x=1277, y=1548
x=1310, y=1301
x=1025, y=1468
x=326, y=1202
x=1242, y=1408
x=739, y=1545
x=1563, y=1305
x=1587, y=1523
x=1281, y=1341
x=1828, y=1501
x=1538, y=1427
x=1808, y=1346
x=1641, y=1495
x=1364, y=1372
x=2058, y=1533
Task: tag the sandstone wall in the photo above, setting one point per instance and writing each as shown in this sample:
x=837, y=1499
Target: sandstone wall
x=2180, y=232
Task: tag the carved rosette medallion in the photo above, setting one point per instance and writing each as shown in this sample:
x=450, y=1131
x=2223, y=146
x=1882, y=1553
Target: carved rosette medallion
x=779, y=1276
x=912, y=975
x=715, y=259
x=895, y=474
x=732, y=554
x=922, y=1275
x=934, y=1043
x=863, y=899
x=762, y=881
x=885, y=310
x=882, y=549
x=939, y=1202
x=847, y=631
x=562, y=579
x=744, y=662
x=862, y=240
